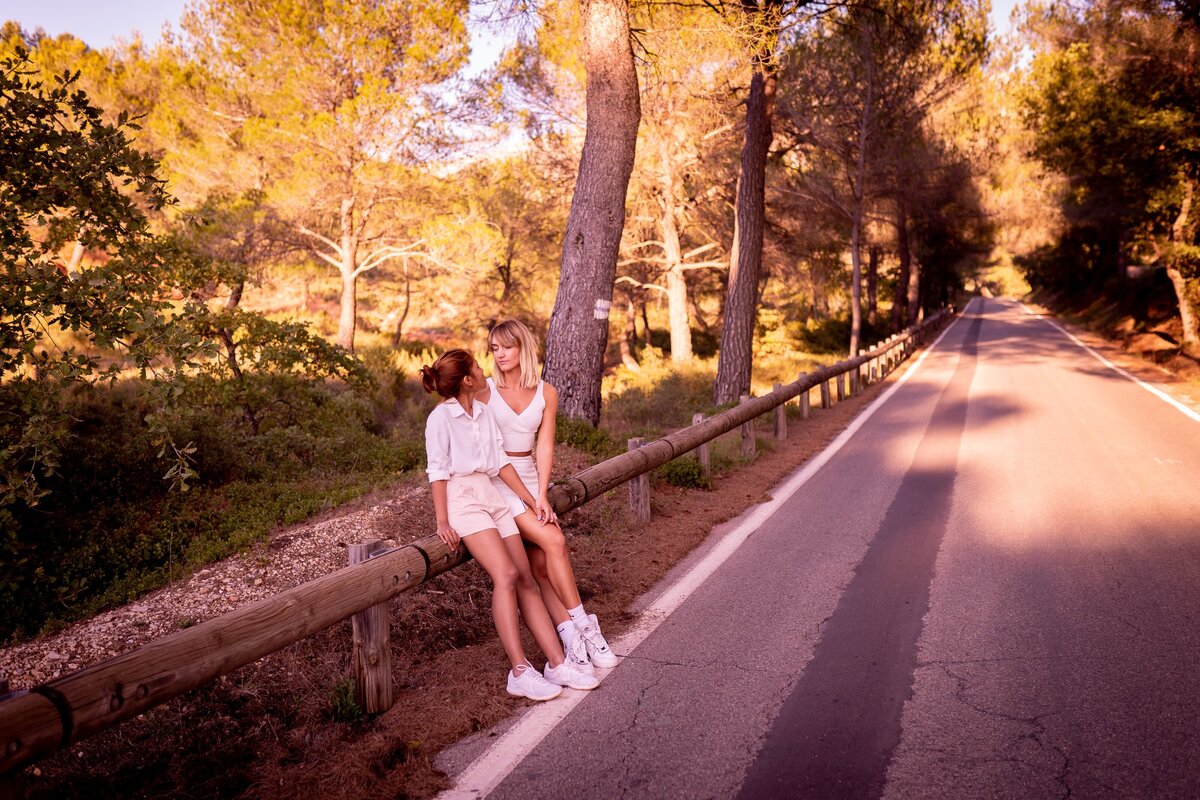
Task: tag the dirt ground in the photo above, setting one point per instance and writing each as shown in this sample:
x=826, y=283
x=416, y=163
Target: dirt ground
x=282, y=728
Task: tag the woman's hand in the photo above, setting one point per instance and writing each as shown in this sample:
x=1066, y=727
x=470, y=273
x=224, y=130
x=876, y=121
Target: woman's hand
x=448, y=535
x=545, y=511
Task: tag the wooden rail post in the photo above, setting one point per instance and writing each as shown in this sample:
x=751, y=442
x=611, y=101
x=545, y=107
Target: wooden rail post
x=855, y=376
x=874, y=370
x=841, y=386
x=703, y=454
x=749, y=444
x=639, y=487
x=825, y=401
x=372, y=653
x=780, y=419
x=804, y=404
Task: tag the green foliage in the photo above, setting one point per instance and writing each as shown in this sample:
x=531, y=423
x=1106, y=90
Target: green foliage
x=1112, y=106
x=685, y=473
x=580, y=434
x=343, y=705
x=70, y=180
x=110, y=528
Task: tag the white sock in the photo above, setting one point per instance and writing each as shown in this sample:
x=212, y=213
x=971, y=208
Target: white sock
x=566, y=630
x=578, y=615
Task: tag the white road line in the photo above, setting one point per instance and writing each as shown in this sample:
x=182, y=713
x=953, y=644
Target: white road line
x=1154, y=390
x=493, y=765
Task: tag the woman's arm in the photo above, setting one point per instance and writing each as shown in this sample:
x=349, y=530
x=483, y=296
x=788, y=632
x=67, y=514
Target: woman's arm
x=441, y=511
x=513, y=481
x=544, y=451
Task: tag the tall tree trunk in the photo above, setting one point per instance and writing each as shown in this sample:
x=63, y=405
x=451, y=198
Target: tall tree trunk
x=865, y=122
x=914, y=292
x=872, y=283
x=677, y=296
x=629, y=338
x=856, y=280
x=578, y=331
x=904, y=253
x=745, y=259
x=348, y=311
x=1185, y=291
x=696, y=315
x=398, y=334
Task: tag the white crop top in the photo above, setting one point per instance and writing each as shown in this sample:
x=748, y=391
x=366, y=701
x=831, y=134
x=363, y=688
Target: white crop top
x=517, y=430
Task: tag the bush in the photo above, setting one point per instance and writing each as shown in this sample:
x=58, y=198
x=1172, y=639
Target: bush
x=580, y=434
x=110, y=527
x=685, y=473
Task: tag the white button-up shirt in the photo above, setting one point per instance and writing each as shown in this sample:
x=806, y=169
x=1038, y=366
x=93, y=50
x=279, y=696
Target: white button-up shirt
x=457, y=443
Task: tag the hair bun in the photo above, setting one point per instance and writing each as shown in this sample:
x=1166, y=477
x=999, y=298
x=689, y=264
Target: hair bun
x=428, y=378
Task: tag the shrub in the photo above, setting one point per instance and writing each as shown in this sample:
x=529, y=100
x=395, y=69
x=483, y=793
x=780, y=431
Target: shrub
x=582, y=436
x=685, y=473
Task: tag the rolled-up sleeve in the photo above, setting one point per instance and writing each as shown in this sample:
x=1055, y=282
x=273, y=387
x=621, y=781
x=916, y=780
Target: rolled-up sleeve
x=437, y=447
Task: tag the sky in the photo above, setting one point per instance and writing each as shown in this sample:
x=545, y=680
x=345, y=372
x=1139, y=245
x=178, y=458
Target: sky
x=97, y=22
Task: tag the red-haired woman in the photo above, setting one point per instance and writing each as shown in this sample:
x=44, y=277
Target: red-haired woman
x=525, y=408
x=463, y=448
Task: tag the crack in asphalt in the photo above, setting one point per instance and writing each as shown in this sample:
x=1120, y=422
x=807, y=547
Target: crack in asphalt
x=624, y=786
x=1036, y=735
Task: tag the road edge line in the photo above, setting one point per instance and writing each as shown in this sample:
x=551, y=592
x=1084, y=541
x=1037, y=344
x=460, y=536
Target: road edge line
x=492, y=766
x=1152, y=389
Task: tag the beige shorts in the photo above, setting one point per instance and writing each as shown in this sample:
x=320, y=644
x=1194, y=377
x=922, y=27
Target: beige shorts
x=527, y=472
x=474, y=505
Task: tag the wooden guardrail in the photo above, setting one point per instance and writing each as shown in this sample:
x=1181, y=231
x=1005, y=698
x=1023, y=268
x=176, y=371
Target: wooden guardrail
x=37, y=722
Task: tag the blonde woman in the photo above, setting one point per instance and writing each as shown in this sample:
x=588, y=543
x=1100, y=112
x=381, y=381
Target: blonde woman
x=463, y=447
x=524, y=407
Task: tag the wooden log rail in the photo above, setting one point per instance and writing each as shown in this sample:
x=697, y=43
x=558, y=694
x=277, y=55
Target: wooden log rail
x=38, y=722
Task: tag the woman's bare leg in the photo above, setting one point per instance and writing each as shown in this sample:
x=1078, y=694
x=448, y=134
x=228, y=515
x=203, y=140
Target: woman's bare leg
x=553, y=544
x=533, y=610
x=489, y=550
x=537, y=561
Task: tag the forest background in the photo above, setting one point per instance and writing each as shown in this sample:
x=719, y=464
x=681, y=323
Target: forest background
x=227, y=253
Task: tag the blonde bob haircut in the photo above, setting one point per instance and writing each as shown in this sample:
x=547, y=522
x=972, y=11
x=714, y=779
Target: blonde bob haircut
x=512, y=332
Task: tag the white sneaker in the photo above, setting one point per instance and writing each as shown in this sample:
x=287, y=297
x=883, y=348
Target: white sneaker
x=525, y=681
x=599, y=653
x=575, y=650
x=567, y=674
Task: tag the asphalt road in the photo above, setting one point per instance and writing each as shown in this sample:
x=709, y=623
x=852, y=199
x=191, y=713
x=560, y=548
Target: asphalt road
x=992, y=590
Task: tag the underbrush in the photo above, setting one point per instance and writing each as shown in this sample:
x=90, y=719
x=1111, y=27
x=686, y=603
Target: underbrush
x=258, y=457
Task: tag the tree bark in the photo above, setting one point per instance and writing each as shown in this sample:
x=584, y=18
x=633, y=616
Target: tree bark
x=348, y=310
x=904, y=253
x=677, y=296
x=866, y=120
x=398, y=334
x=745, y=259
x=578, y=331
x=856, y=279
x=872, y=283
x=1186, y=293
x=914, y=293
x=629, y=339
